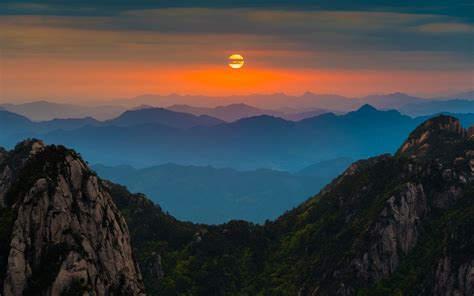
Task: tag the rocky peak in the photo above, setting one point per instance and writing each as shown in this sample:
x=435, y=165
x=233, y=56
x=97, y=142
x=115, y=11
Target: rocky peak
x=435, y=132
x=21, y=152
x=30, y=146
x=66, y=234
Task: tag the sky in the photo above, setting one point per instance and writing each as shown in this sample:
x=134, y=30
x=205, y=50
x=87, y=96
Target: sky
x=84, y=49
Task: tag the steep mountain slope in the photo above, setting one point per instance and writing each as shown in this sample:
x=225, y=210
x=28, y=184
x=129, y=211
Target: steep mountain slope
x=390, y=225
x=60, y=232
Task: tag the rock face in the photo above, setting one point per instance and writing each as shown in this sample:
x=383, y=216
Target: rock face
x=395, y=233
x=435, y=190
x=67, y=235
x=153, y=268
x=441, y=130
x=398, y=224
x=434, y=177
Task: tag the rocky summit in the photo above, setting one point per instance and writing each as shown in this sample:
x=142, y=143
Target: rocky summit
x=399, y=224
x=61, y=233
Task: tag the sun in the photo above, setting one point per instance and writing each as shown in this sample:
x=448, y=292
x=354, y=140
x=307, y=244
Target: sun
x=236, y=61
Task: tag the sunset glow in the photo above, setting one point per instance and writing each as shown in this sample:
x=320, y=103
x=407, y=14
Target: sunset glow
x=107, y=79
x=132, y=52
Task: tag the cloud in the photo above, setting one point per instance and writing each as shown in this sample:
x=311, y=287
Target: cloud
x=245, y=29
x=454, y=8
x=446, y=28
x=272, y=35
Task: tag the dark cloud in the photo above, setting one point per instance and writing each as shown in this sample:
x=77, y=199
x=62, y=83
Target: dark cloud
x=289, y=30
x=362, y=34
x=455, y=8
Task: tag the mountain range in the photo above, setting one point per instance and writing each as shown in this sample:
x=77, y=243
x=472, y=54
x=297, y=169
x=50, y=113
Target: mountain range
x=162, y=116
x=433, y=107
x=465, y=95
x=44, y=110
x=277, y=101
x=281, y=102
x=220, y=195
x=237, y=107
x=389, y=225
x=246, y=144
x=19, y=124
x=235, y=112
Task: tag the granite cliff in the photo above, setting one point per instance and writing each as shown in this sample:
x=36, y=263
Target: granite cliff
x=61, y=232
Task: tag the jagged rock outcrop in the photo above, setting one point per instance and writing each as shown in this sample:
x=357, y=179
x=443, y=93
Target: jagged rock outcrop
x=395, y=233
x=67, y=236
x=452, y=279
x=439, y=131
x=152, y=268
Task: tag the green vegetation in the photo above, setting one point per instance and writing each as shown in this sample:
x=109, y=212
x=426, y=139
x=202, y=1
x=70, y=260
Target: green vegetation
x=334, y=243
x=313, y=247
x=301, y=249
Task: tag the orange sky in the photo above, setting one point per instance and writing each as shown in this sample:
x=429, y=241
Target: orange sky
x=185, y=50
x=83, y=80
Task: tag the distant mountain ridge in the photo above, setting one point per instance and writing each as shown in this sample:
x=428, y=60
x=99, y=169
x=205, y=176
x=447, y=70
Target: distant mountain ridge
x=465, y=95
x=145, y=137
x=246, y=144
x=231, y=108
x=238, y=111
x=391, y=101
x=438, y=106
x=220, y=195
x=140, y=116
x=227, y=113
x=162, y=116
x=44, y=110
x=276, y=101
